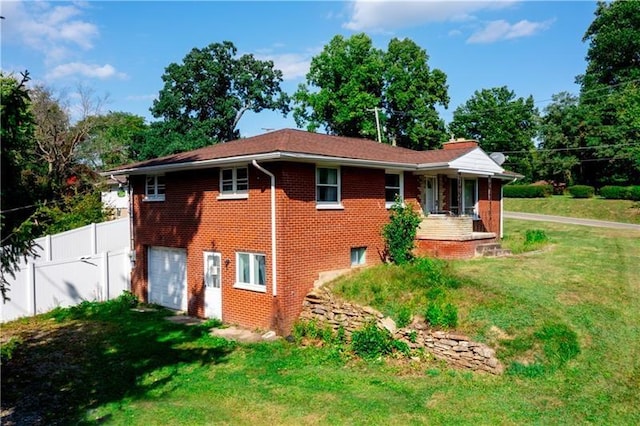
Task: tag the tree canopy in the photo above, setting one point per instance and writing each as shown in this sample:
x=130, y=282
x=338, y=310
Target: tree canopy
x=205, y=96
x=351, y=81
x=500, y=122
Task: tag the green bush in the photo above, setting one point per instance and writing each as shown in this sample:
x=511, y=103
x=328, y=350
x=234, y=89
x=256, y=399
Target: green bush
x=371, y=341
x=441, y=314
x=527, y=191
x=581, y=191
x=612, y=192
x=403, y=318
x=399, y=234
x=535, y=236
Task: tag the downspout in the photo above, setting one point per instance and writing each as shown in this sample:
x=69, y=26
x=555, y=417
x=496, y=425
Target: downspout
x=490, y=204
x=274, y=274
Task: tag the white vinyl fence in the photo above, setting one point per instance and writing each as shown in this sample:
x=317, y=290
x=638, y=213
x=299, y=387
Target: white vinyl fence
x=89, y=263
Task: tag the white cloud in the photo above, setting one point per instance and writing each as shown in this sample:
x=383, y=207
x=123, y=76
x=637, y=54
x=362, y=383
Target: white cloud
x=292, y=65
x=54, y=30
x=380, y=16
x=502, y=30
x=86, y=70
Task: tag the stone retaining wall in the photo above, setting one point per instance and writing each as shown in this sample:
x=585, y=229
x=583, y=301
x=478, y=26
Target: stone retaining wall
x=456, y=349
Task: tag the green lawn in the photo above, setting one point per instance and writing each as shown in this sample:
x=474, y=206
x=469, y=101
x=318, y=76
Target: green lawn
x=587, y=208
x=116, y=366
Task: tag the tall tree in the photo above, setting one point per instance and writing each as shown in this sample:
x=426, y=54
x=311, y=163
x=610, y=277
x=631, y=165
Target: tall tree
x=560, y=149
x=500, y=122
x=412, y=92
x=111, y=140
x=57, y=138
x=353, y=89
x=20, y=169
x=610, y=94
x=344, y=85
x=204, y=98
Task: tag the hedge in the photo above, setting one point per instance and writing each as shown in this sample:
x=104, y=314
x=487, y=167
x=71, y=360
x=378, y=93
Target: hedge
x=527, y=191
x=581, y=191
x=612, y=192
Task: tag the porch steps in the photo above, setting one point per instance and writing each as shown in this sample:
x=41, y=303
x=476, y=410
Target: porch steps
x=491, y=250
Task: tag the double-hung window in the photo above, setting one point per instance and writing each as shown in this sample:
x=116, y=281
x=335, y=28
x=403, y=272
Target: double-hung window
x=251, y=271
x=234, y=182
x=154, y=188
x=328, y=187
x=393, y=187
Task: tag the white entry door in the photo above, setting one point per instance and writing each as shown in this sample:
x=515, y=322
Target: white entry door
x=212, y=285
x=431, y=198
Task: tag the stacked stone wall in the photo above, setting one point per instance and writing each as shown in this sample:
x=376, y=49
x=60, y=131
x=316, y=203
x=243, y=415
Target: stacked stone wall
x=456, y=349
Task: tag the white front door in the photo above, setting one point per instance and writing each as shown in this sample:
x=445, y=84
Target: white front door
x=431, y=197
x=212, y=285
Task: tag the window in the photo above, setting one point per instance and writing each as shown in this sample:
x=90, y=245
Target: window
x=154, y=188
x=251, y=271
x=328, y=186
x=393, y=183
x=358, y=256
x=469, y=197
x=234, y=182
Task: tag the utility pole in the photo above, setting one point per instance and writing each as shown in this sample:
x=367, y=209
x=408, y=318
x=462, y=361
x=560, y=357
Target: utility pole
x=375, y=110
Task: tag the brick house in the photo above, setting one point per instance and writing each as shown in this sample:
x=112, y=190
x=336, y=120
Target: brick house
x=242, y=230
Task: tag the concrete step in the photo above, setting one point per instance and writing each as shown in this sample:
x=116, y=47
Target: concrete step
x=492, y=250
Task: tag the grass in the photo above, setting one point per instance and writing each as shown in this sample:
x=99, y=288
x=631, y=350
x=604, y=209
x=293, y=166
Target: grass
x=565, y=321
x=585, y=208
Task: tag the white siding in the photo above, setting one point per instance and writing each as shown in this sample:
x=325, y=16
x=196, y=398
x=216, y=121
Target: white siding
x=476, y=161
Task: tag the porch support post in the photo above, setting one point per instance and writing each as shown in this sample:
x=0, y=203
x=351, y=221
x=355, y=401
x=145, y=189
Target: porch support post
x=460, y=209
x=490, y=204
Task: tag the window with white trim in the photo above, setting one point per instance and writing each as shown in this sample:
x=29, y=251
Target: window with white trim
x=358, y=256
x=154, y=188
x=469, y=197
x=328, y=185
x=234, y=181
x=393, y=187
x=251, y=271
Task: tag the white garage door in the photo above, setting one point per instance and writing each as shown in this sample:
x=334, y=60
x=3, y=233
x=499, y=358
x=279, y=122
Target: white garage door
x=168, y=277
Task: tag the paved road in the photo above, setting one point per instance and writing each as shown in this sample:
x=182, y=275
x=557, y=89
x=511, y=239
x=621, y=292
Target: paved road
x=570, y=220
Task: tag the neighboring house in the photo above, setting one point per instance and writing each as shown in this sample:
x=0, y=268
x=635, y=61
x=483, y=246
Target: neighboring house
x=116, y=197
x=242, y=230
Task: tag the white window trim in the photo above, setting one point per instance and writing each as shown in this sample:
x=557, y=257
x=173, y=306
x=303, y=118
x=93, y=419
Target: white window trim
x=330, y=205
x=249, y=286
x=389, y=204
x=155, y=196
x=234, y=194
x=463, y=208
x=364, y=257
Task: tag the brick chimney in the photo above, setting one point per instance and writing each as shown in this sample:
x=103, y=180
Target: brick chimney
x=460, y=143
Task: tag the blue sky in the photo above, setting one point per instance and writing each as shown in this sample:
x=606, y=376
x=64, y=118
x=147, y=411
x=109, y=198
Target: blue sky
x=121, y=48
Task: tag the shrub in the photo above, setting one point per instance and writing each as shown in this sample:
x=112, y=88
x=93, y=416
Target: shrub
x=440, y=314
x=403, y=318
x=535, y=236
x=612, y=192
x=581, y=191
x=399, y=234
x=527, y=191
x=371, y=341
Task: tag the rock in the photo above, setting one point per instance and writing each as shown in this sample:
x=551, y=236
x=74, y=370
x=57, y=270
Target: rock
x=389, y=324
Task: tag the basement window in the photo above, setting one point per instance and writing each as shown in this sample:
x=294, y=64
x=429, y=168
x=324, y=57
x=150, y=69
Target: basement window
x=358, y=256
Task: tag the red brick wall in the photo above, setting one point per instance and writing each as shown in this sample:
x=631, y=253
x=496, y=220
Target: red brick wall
x=449, y=249
x=309, y=241
x=489, y=211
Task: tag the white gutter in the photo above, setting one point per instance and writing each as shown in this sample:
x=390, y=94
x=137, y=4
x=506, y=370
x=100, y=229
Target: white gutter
x=274, y=274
